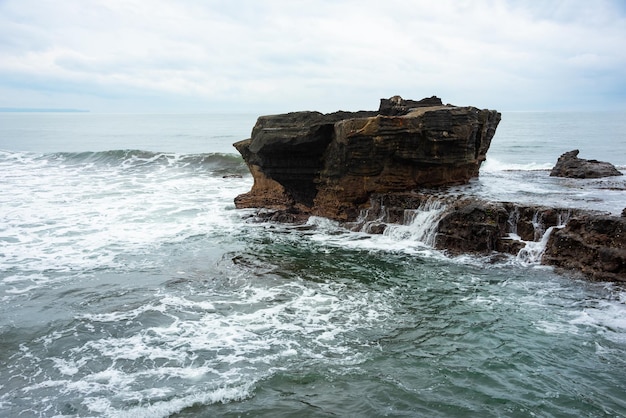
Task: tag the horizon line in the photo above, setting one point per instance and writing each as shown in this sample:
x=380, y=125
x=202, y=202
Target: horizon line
x=41, y=110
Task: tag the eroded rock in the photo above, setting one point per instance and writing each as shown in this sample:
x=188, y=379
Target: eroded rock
x=330, y=164
x=593, y=245
x=580, y=241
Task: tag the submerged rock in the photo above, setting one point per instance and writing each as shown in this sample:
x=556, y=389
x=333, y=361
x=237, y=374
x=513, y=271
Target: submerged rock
x=330, y=164
x=569, y=165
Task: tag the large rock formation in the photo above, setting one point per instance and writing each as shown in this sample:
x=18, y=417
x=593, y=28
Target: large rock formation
x=569, y=165
x=330, y=164
x=370, y=170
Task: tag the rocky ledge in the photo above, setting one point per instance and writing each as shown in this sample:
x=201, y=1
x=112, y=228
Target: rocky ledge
x=370, y=169
x=579, y=241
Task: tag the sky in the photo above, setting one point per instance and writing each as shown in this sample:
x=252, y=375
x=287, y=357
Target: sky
x=285, y=55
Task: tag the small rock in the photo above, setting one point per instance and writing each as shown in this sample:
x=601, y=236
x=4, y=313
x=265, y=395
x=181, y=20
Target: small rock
x=569, y=165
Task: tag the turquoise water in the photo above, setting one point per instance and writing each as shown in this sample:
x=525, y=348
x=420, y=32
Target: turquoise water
x=131, y=286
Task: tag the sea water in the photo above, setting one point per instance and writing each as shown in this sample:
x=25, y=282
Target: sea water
x=130, y=286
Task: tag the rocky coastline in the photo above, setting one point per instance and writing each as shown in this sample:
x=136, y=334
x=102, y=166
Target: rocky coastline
x=373, y=169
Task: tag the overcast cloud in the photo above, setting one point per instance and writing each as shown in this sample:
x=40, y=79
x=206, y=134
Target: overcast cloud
x=280, y=55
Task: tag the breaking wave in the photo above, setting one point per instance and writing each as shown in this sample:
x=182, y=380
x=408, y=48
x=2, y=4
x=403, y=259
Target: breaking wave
x=132, y=159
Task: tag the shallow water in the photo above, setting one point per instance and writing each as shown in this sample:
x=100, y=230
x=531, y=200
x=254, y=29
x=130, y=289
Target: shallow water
x=131, y=286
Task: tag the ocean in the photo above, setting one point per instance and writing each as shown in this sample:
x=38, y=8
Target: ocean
x=130, y=286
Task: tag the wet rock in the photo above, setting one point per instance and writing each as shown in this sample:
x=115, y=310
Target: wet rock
x=592, y=244
x=286, y=216
x=472, y=226
x=569, y=165
x=509, y=246
x=376, y=228
x=467, y=224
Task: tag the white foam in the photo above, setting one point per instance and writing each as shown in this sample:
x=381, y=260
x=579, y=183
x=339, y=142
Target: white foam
x=323, y=225
x=219, y=348
x=65, y=367
x=420, y=224
x=607, y=318
x=406, y=239
x=15, y=291
x=67, y=218
x=376, y=242
x=176, y=405
x=97, y=405
x=553, y=327
x=533, y=251
x=493, y=165
x=483, y=301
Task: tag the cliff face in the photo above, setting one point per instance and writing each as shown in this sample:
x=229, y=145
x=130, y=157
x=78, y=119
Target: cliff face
x=330, y=164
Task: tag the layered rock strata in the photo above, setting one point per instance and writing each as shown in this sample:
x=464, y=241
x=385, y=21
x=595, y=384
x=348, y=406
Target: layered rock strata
x=579, y=241
x=330, y=164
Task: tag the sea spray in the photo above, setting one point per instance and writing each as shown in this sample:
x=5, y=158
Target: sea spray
x=532, y=252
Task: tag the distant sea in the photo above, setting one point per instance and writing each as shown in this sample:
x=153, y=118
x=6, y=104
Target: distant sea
x=38, y=110
x=132, y=287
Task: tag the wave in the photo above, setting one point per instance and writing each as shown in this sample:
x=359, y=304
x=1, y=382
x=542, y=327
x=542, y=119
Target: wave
x=216, y=163
x=493, y=165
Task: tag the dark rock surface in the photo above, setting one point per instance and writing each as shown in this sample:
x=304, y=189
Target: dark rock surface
x=397, y=106
x=472, y=226
x=330, y=164
x=285, y=154
x=580, y=241
x=593, y=245
x=569, y=165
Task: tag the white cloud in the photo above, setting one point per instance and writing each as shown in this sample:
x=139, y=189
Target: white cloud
x=289, y=55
